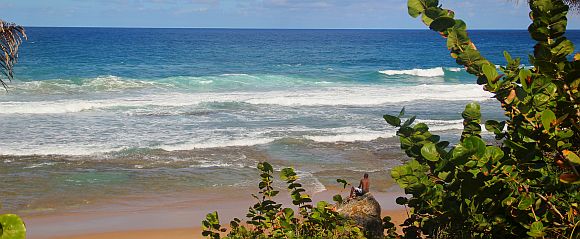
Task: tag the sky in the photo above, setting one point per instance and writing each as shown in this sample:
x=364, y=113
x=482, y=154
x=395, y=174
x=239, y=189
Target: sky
x=317, y=14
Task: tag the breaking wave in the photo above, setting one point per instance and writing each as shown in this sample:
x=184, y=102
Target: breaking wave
x=259, y=137
x=433, y=72
x=330, y=96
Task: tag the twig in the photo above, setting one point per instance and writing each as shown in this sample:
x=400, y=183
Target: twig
x=552, y=207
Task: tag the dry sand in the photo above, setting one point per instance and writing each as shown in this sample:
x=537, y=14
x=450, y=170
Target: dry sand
x=179, y=217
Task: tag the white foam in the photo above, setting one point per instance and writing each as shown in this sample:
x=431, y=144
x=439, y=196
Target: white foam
x=310, y=182
x=323, y=82
x=235, y=74
x=216, y=164
x=101, y=83
x=442, y=125
x=445, y=127
x=349, y=137
x=365, y=170
x=337, y=96
x=203, y=144
x=439, y=122
x=454, y=69
x=350, y=134
x=205, y=82
x=61, y=149
x=215, y=139
x=433, y=72
x=37, y=165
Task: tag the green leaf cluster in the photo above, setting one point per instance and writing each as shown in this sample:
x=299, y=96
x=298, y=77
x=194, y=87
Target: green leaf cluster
x=268, y=219
x=528, y=185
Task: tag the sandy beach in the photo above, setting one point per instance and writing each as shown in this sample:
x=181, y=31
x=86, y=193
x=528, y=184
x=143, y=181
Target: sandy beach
x=178, y=217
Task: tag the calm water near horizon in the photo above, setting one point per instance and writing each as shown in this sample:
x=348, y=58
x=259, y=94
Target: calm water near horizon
x=97, y=113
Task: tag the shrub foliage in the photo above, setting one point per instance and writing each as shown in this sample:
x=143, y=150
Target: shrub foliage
x=269, y=219
x=11, y=35
x=529, y=185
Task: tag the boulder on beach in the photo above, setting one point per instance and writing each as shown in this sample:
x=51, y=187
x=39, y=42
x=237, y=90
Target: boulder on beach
x=366, y=212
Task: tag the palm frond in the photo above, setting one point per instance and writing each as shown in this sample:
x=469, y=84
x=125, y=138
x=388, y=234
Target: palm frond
x=11, y=36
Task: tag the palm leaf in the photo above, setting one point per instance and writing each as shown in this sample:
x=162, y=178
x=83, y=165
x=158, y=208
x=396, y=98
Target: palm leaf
x=11, y=36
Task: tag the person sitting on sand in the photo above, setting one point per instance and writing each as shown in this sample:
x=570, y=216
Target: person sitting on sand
x=362, y=188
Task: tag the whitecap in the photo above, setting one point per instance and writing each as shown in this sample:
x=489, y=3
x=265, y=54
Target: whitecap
x=349, y=137
x=328, y=96
x=235, y=74
x=203, y=144
x=433, y=72
x=454, y=69
x=205, y=82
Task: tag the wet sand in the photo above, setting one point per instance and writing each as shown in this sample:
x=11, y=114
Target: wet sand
x=168, y=216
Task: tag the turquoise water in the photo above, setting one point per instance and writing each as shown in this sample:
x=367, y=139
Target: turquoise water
x=129, y=111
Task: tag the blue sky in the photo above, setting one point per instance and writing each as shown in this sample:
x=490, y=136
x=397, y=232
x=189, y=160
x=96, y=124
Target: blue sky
x=479, y=14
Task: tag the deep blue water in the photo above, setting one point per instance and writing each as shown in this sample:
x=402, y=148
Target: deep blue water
x=74, y=53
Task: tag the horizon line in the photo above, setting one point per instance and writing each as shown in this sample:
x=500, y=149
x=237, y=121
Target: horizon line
x=266, y=28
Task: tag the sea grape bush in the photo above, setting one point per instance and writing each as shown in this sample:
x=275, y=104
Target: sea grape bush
x=268, y=219
x=529, y=186
x=12, y=227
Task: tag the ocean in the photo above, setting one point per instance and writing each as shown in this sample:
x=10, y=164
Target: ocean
x=101, y=113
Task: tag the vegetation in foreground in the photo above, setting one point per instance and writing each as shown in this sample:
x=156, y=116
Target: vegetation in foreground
x=526, y=187
x=269, y=219
x=11, y=35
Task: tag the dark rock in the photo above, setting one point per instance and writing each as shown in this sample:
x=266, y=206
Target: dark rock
x=366, y=212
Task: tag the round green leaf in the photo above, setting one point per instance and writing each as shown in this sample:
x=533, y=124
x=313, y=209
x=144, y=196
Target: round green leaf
x=443, y=175
x=421, y=127
x=475, y=145
x=563, y=48
x=288, y=174
x=494, y=126
x=415, y=7
x=525, y=203
x=536, y=230
x=490, y=72
x=547, y=118
x=572, y=157
x=401, y=200
x=472, y=111
x=442, y=23
x=392, y=120
x=494, y=153
x=12, y=227
x=508, y=201
x=459, y=151
x=429, y=152
x=337, y=198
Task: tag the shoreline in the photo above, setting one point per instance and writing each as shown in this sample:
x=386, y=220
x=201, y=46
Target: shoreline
x=179, y=218
x=397, y=217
